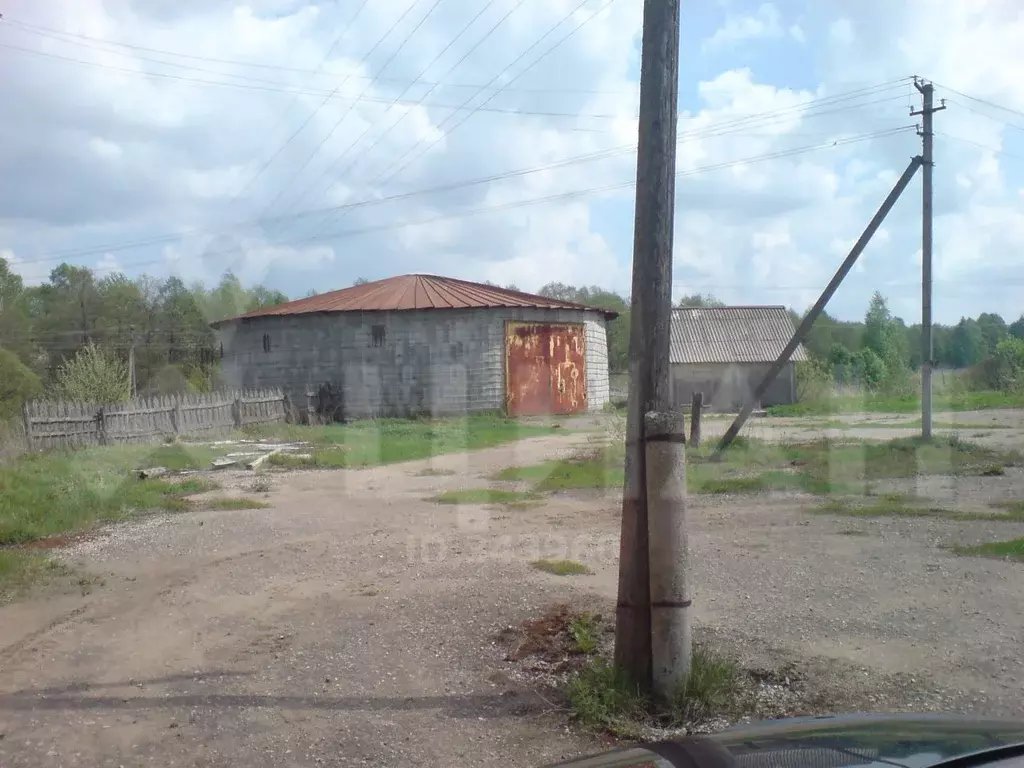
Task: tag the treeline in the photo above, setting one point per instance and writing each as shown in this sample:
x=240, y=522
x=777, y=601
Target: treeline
x=880, y=351
x=163, y=324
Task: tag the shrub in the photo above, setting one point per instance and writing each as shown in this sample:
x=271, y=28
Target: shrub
x=94, y=375
x=869, y=368
x=813, y=381
x=17, y=384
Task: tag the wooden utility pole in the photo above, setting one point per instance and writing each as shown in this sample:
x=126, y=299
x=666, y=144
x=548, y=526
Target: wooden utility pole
x=651, y=307
x=131, y=363
x=928, y=108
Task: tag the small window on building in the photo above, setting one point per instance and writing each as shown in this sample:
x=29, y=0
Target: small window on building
x=266, y=342
x=378, y=335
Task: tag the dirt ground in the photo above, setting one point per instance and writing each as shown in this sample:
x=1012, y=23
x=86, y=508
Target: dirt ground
x=352, y=621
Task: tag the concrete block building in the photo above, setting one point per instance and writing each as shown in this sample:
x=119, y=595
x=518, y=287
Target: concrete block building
x=725, y=351
x=424, y=345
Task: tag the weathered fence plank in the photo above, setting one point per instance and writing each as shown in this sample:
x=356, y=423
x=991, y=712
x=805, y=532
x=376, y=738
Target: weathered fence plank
x=61, y=424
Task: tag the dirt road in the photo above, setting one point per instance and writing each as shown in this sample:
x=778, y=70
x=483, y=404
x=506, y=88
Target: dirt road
x=351, y=622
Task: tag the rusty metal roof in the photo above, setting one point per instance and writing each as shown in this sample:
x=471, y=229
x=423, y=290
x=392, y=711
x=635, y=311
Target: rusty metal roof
x=408, y=292
x=731, y=335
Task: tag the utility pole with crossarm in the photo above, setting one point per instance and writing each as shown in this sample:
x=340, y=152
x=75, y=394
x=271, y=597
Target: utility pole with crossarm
x=928, y=109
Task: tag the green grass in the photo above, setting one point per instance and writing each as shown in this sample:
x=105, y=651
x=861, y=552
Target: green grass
x=561, y=567
x=602, y=698
x=872, y=403
x=433, y=472
x=386, y=441
x=234, y=502
x=902, y=505
x=1013, y=549
x=484, y=496
x=710, y=689
x=1014, y=507
x=46, y=494
x=180, y=456
x=822, y=467
x=20, y=570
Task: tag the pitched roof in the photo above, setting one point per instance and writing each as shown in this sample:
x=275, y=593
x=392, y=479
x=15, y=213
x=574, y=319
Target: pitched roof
x=408, y=292
x=731, y=335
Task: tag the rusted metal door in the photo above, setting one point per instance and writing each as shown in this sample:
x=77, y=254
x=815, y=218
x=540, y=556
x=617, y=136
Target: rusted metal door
x=545, y=368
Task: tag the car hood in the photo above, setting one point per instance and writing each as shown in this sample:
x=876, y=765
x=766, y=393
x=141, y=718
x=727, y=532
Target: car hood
x=905, y=741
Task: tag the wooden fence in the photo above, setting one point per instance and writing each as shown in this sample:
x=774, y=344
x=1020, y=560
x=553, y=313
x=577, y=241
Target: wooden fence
x=60, y=424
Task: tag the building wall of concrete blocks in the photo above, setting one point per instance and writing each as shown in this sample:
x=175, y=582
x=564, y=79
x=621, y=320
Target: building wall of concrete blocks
x=436, y=362
x=728, y=386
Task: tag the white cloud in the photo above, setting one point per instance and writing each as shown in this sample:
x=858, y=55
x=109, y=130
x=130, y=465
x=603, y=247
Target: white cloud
x=738, y=28
x=132, y=158
x=31, y=274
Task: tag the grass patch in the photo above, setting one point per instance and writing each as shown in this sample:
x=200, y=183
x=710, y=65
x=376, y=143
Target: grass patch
x=872, y=403
x=234, y=502
x=561, y=567
x=710, y=688
x=901, y=505
x=484, y=496
x=881, y=507
x=1013, y=508
x=20, y=570
x=1012, y=550
x=821, y=467
x=45, y=494
x=602, y=698
x=180, y=456
x=386, y=441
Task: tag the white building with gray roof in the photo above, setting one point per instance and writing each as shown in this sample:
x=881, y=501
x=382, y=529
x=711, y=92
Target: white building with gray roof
x=725, y=351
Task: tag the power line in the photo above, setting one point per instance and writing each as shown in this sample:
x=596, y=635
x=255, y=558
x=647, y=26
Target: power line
x=451, y=69
x=347, y=112
x=385, y=174
x=978, y=144
x=724, y=128
x=980, y=100
x=274, y=155
x=330, y=95
x=550, y=198
x=745, y=121
x=51, y=32
x=986, y=115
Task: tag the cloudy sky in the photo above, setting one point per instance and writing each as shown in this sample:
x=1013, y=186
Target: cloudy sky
x=304, y=144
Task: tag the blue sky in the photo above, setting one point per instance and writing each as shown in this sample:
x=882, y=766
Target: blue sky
x=189, y=138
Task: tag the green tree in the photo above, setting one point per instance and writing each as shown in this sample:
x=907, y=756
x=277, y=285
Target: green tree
x=1016, y=328
x=993, y=330
x=869, y=368
x=840, y=360
x=967, y=346
x=17, y=384
x=877, y=326
x=261, y=297
x=598, y=298
x=1009, y=359
x=699, y=300
x=15, y=323
x=94, y=375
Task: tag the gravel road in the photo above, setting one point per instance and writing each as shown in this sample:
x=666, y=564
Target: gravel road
x=352, y=622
